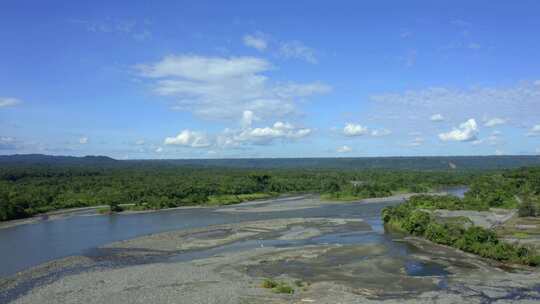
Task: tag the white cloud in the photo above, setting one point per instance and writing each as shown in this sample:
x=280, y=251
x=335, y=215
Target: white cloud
x=7, y=143
x=265, y=135
x=519, y=103
x=499, y=152
x=436, y=117
x=256, y=41
x=159, y=149
x=140, y=142
x=204, y=68
x=380, y=132
x=229, y=138
x=189, y=138
x=534, y=131
x=344, y=149
x=247, y=119
x=494, y=122
x=223, y=88
x=354, y=130
x=83, y=140
x=467, y=131
x=8, y=102
x=296, y=49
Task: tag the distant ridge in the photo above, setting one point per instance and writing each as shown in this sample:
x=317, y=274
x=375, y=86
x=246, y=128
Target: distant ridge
x=42, y=159
x=396, y=163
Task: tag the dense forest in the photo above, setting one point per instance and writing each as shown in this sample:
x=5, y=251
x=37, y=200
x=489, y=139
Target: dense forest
x=33, y=184
x=33, y=189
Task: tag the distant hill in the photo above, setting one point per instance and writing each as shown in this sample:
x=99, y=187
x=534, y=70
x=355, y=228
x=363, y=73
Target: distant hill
x=414, y=163
x=41, y=159
x=397, y=163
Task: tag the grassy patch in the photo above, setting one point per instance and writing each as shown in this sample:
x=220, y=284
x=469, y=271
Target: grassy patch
x=344, y=197
x=277, y=287
x=521, y=235
x=104, y=210
x=229, y=199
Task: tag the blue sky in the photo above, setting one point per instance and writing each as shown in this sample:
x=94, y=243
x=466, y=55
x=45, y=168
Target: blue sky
x=198, y=79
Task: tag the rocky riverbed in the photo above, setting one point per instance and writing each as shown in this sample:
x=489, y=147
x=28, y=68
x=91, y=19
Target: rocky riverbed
x=325, y=260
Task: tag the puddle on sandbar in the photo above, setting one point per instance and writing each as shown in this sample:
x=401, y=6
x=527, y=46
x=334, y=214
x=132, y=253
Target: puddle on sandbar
x=358, y=267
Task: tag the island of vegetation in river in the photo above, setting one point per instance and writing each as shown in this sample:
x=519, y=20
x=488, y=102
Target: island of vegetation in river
x=516, y=189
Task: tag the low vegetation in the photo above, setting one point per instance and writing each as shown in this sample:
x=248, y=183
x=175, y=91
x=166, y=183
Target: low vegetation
x=473, y=239
x=277, y=286
x=493, y=191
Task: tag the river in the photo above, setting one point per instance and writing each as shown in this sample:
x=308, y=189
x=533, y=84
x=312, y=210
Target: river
x=25, y=246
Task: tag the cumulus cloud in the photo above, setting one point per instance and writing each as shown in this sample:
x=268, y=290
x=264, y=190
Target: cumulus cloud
x=436, y=117
x=8, y=102
x=256, y=41
x=230, y=138
x=265, y=135
x=467, y=131
x=534, y=131
x=223, y=88
x=352, y=129
x=344, y=149
x=495, y=121
x=297, y=50
x=83, y=140
x=159, y=150
x=188, y=138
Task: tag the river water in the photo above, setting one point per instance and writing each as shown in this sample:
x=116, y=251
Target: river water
x=24, y=246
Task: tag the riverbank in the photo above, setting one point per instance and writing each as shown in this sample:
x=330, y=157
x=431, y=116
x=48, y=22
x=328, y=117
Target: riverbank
x=131, y=208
